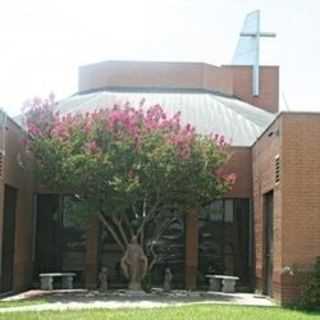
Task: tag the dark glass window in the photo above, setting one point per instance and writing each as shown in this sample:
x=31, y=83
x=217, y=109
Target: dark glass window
x=166, y=237
x=74, y=237
x=224, y=239
x=60, y=237
x=48, y=235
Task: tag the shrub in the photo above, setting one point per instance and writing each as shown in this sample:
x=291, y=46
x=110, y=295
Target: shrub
x=311, y=295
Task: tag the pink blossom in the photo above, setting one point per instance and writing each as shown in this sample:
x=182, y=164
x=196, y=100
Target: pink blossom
x=120, y=121
x=24, y=141
x=230, y=178
x=92, y=147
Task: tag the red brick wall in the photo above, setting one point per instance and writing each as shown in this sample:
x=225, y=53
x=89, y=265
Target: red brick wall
x=20, y=178
x=263, y=167
x=301, y=198
x=229, y=80
x=240, y=164
x=154, y=74
x=296, y=201
x=268, y=98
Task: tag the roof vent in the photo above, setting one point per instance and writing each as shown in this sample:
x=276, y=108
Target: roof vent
x=277, y=169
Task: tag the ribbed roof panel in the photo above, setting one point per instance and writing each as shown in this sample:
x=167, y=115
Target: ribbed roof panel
x=238, y=121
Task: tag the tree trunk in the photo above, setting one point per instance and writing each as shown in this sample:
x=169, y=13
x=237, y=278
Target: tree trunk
x=134, y=263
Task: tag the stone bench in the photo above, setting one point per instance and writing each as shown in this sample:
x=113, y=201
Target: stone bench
x=228, y=283
x=46, y=280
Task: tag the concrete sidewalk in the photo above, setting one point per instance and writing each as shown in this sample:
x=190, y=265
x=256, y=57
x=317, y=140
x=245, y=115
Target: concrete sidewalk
x=77, y=300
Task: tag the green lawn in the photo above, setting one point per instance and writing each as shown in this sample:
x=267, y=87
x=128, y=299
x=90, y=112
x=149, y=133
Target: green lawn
x=199, y=312
x=21, y=303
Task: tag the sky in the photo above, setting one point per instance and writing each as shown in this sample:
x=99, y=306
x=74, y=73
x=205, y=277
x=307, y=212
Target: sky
x=42, y=42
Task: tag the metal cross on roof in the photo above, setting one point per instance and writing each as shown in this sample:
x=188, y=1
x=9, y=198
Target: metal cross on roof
x=248, y=48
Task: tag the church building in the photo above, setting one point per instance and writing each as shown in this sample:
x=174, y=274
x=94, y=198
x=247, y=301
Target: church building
x=266, y=230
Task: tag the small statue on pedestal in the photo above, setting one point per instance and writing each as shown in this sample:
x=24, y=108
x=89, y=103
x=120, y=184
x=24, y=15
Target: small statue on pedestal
x=103, y=279
x=167, y=280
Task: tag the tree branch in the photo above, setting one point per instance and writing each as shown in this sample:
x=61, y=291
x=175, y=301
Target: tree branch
x=148, y=217
x=126, y=220
x=142, y=237
x=110, y=229
x=134, y=211
x=154, y=260
x=144, y=209
x=159, y=233
x=118, y=223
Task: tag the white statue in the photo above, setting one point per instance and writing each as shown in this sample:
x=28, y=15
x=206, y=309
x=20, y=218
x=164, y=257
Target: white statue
x=134, y=264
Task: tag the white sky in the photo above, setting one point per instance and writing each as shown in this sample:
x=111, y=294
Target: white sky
x=43, y=42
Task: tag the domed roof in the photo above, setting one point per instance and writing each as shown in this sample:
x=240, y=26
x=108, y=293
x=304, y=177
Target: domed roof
x=240, y=122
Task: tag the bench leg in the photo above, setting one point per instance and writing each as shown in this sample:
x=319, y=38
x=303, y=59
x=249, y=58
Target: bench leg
x=67, y=282
x=228, y=286
x=214, y=284
x=46, y=283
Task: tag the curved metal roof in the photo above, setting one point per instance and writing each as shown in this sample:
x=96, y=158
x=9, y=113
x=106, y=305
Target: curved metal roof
x=240, y=122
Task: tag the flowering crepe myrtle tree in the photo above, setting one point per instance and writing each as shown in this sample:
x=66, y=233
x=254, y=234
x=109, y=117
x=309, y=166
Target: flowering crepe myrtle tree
x=126, y=165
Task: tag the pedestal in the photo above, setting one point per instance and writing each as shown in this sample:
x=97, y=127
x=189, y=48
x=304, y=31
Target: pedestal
x=67, y=282
x=228, y=285
x=46, y=283
x=214, y=284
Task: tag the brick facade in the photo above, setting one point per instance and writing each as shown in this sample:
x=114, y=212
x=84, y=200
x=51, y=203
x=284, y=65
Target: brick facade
x=300, y=197
x=228, y=80
x=293, y=139
x=240, y=162
x=263, y=168
x=17, y=173
x=296, y=225
x=268, y=98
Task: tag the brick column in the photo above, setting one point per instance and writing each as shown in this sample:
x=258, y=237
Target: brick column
x=91, y=265
x=191, y=258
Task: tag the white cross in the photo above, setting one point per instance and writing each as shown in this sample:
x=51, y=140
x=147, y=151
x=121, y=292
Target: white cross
x=256, y=36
